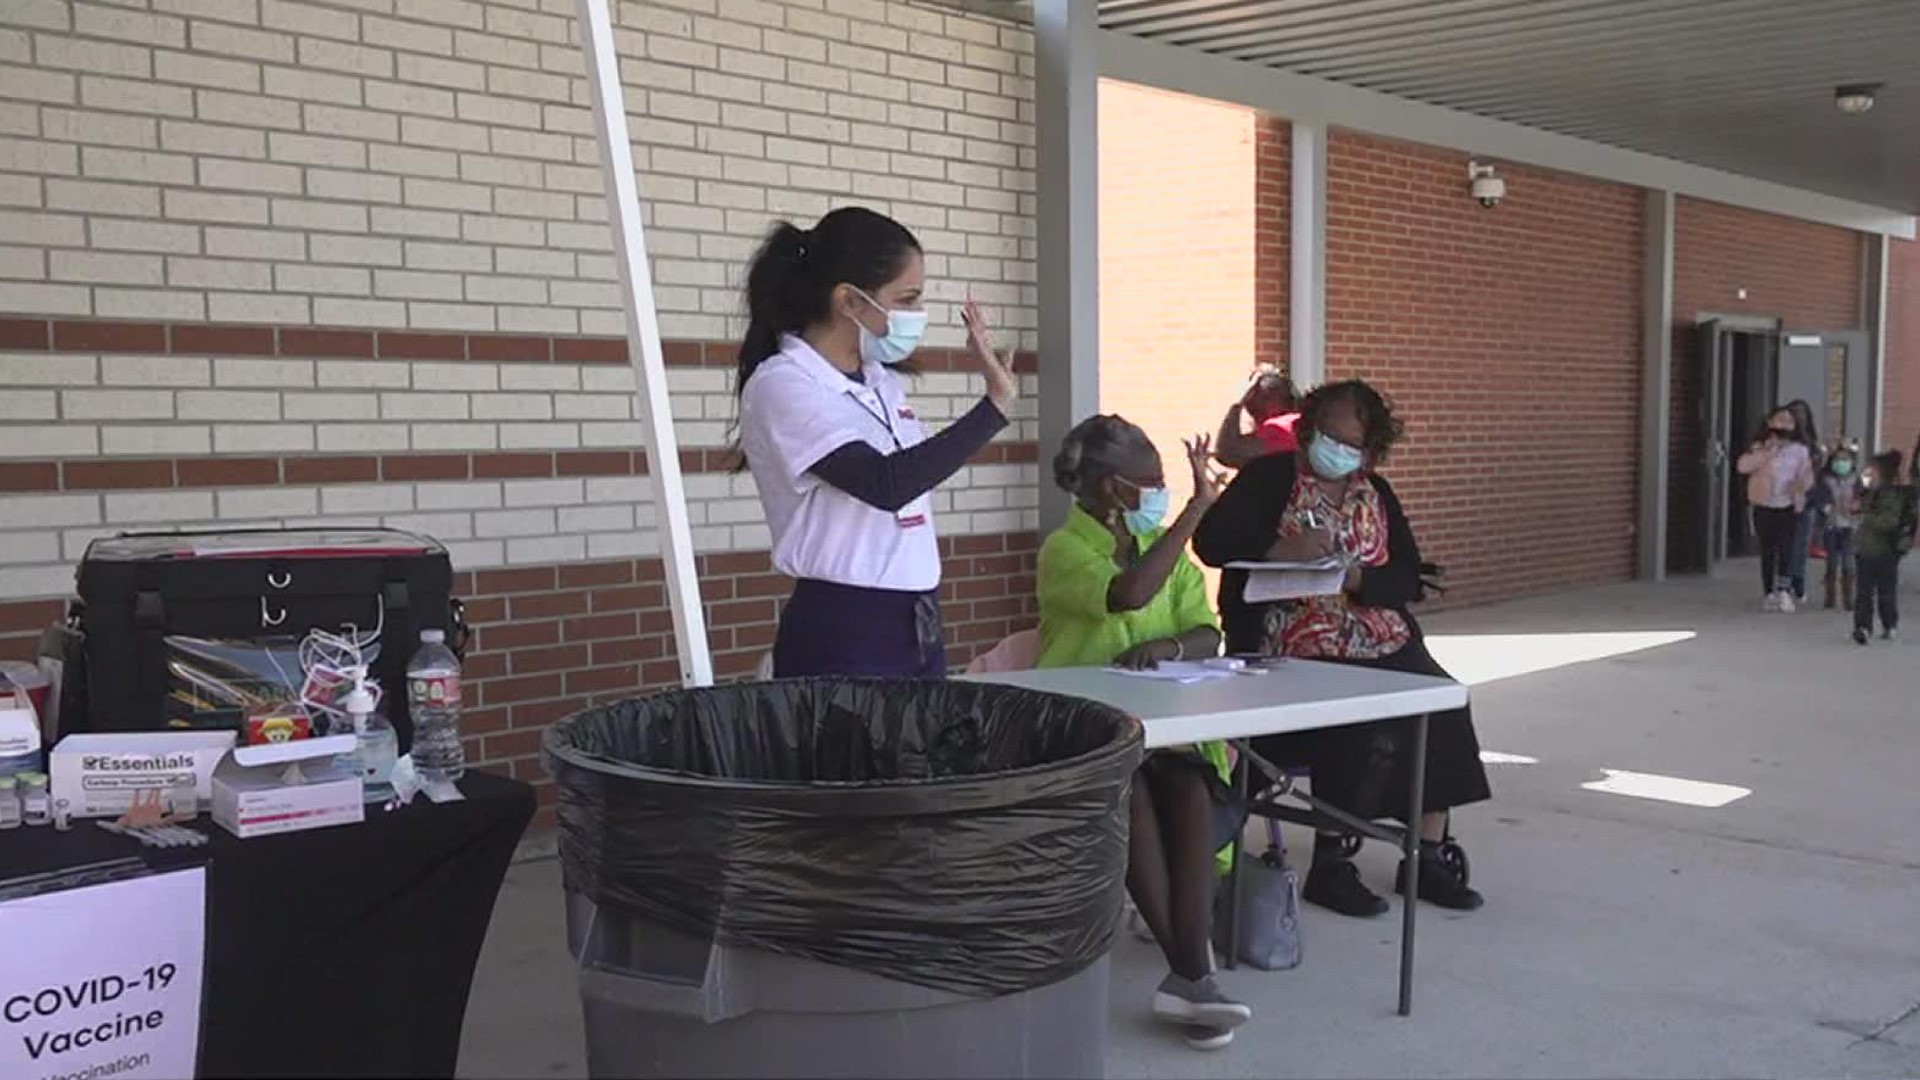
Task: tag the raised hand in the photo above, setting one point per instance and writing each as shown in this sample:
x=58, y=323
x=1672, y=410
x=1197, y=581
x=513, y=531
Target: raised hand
x=1003, y=387
x=1208, y=483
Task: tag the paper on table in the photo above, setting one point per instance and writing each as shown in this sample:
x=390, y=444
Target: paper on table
x=1180, y=671
x=1270, y=581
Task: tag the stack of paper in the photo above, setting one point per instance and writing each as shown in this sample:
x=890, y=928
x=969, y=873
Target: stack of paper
x=1271, y=581
x=1182, y=672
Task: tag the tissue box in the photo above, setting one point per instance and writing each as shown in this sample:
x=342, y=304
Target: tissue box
x=96, y=775
x=251, y=795
x=19, y=733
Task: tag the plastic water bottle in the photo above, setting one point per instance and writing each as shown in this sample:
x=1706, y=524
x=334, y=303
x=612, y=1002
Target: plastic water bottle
x=433, y=698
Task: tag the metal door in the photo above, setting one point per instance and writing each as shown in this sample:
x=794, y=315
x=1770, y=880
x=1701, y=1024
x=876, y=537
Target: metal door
x=1833, y=371
x=1716, y=407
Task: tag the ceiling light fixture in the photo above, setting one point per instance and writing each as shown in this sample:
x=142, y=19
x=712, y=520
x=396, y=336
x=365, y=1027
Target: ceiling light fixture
x=1855, y=98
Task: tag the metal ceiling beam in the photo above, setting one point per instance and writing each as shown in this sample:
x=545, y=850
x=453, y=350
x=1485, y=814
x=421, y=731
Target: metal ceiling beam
x=1599, y=48
x=1158, y=23
x=1419, y=21
x=1590, y=27
x=1315, y=100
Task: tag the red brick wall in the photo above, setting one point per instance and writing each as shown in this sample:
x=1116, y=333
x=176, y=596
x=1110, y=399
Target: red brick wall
x=1804, y=274
x=551, y=639
x=1902, y=415
x=1509, y=340
x=1272, y=263
x=1193, y=260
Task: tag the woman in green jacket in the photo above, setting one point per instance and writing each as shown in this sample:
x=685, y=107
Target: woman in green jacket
x=1116, y=587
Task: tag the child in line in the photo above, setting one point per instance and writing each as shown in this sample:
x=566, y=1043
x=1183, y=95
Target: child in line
x=1889, y=513
x=1837, y=496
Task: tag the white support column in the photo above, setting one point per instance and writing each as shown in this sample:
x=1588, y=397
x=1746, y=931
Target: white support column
x=1066, y=113
x=1874, y=296
x=1307, y=319
x=643, y=341
x=1656, y=382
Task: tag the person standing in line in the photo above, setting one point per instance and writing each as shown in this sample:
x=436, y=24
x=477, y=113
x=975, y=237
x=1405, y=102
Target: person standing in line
x=1837, y=498
x=1273, y=406
x=844, y=469
x=1808, y=520
x=1889, y=513
x=1779, y=472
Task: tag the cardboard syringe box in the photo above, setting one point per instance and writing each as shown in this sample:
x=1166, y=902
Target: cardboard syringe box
x=97, y=774
x=252, y=796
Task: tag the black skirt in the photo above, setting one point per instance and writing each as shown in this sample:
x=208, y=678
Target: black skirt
x=1363, y=768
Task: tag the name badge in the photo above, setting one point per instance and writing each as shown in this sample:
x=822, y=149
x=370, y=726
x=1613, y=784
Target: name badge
x=914, y=515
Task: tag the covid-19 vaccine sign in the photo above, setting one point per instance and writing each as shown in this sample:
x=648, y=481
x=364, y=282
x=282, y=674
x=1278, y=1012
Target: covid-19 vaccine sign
x=103, y=982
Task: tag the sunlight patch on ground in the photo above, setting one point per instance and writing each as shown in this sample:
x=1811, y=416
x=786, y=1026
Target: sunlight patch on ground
x=1671, y=789
x=1495, y=757
x=1476, y=659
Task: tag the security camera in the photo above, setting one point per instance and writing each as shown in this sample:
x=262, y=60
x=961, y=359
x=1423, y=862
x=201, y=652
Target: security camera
x=1486, y=184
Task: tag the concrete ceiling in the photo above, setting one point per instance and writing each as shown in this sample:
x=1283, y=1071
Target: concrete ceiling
x=1741, y=85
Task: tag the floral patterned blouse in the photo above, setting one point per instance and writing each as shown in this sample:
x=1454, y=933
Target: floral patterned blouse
x=1333, y=627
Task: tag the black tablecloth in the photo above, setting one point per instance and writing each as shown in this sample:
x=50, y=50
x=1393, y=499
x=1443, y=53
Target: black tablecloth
x=345, y=951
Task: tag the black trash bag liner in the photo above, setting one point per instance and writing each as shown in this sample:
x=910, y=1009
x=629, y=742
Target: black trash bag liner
x=966, y=837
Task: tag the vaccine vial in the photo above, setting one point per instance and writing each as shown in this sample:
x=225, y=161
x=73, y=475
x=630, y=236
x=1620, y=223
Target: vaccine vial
x=36, y=802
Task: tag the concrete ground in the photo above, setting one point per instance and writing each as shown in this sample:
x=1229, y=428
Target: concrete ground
x=1776, y=934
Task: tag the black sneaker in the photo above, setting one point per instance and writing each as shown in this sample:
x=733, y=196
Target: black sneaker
x=1861, y=635
x=1335, y=884
x=1441, y=883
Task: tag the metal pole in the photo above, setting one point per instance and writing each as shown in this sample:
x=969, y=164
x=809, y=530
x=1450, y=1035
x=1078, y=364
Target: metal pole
x=1306, y=355
x=1410, y=853
x=1066, y=113
x=643, y=341
x=1656, y=382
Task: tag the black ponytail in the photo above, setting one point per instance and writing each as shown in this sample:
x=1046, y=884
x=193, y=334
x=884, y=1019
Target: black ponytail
x=791, y=281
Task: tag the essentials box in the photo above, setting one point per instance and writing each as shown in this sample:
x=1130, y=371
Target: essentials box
x=287, y=787
x=97, y=775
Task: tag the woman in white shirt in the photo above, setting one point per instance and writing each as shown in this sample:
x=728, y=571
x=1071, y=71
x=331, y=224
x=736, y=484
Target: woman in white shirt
x=843, y=466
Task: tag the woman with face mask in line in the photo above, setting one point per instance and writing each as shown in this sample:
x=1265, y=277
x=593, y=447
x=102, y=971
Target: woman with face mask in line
x=843, y=466
x=1328, y=499
x=1779, y=471
x=1116, y=587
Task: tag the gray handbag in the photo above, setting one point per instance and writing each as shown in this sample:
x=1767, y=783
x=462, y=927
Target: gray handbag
x=1269, y=909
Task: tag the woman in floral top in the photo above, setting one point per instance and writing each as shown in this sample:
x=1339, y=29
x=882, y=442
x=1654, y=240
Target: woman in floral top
x=1326, y=499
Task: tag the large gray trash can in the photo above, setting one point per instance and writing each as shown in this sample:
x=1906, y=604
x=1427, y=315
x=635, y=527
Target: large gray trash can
x=844, y=878
x=663, y=1004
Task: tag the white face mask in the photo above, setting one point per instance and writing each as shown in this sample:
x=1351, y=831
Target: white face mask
x=904, y=331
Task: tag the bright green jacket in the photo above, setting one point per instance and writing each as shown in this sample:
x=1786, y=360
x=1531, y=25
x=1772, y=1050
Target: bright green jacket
x=1077, y=568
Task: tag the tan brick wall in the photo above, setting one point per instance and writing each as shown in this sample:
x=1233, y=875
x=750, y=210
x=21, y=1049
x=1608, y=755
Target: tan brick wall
x=261, y=235
x=1192, y=228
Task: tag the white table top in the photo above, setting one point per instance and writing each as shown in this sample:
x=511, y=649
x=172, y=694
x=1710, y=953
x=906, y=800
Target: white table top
x=1299, y=695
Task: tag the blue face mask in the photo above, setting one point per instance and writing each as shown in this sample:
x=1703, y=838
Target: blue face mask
x=1843, y=467
x=1154, y=502
x=904, y=331
x=1334, y=459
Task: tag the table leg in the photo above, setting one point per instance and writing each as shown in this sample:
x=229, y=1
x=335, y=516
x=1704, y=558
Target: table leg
x=1410, y=853
x=1232, y=959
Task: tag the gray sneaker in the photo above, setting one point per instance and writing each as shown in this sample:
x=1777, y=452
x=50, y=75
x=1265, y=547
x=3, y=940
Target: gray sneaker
x=1198, y=1003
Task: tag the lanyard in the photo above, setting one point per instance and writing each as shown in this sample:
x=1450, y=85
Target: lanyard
x=880, y=415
